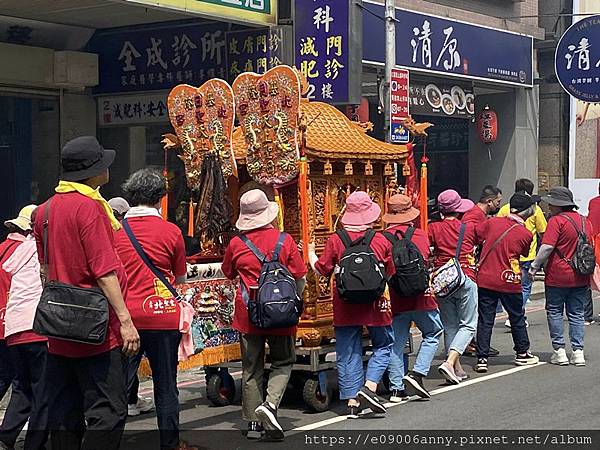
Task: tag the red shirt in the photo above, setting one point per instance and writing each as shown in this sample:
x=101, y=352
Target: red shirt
x=425, y=301
x=150, y=303
x=594, y=213
x=474, y=216
x=24, y=337
x=562, y=236
x=499, y=269
x=240, y=261
x=345, y=314
x=80, y=250
x=443, y=237
x=7, y=248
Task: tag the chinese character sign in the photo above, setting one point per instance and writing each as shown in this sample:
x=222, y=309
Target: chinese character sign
x=160, y=58
x=577, y=60
x=399, y=106
x=453, y=48
x=322, y=48
x=130, y=109
x=255, y=50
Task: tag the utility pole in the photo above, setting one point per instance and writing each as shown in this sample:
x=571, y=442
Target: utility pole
x=390, y=59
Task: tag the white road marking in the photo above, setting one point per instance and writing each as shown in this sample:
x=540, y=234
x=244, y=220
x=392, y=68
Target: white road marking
x=442, y=390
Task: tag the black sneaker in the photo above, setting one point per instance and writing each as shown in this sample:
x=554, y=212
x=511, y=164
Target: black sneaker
x=255, y=430
x=268, y=416
x=398, y=396
x=353, y=412
x=414, y=385
x=369, y=399
x=493, y=352
x=526, y=359
x=481, y=366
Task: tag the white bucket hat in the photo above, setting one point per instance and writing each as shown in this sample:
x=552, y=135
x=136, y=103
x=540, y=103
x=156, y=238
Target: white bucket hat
x=256, y=211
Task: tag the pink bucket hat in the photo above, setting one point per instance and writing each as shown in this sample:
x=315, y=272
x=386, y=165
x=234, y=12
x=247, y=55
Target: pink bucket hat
x=360, y=209
x=256, y=211
x=450, y=201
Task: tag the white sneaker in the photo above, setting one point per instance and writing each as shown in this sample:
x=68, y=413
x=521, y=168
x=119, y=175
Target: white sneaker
x=559, y=357
x=507, y=323
x=143, y=405
x=577, y=358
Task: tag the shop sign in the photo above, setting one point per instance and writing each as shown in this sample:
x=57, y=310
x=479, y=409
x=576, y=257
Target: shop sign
x=132, y=109
x=399, y=106
x=327, y=36
x=255, y=50
x=439, y=45
x=436, y=99
x=255, y=11
x=577, y=60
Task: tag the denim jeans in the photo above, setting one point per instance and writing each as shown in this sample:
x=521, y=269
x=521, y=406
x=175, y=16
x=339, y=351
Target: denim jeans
x=513, y=304
x=430, y=325
x=573, y=299
x=161, y=346
x=526, y=281
x=459, y=317
x=589, y=307
x=349, y=352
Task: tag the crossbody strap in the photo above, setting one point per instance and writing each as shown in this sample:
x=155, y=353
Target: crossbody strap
x=142, y=254
x=45, y=238
x=496, y=242
x=461, y=237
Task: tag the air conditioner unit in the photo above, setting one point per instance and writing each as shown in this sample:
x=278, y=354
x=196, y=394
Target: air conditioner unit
x=75, y=69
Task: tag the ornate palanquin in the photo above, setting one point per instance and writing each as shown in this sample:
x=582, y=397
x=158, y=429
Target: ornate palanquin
x=342, y=158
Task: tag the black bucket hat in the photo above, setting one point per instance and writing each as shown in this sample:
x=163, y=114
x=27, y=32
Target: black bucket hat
x=560, y=196
x=521, y=200
x=83, y=158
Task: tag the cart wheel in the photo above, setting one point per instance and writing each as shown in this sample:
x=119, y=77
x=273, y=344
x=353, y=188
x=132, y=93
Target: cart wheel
x=220, y=389
x=313, y=398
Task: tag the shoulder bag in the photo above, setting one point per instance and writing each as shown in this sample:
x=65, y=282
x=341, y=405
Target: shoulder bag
x=69, y=312
x=449, y=278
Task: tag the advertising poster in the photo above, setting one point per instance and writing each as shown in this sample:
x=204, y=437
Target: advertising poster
x=584, y=141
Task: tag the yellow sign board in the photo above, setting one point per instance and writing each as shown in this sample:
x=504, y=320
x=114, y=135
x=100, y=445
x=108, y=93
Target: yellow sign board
x=262, y=12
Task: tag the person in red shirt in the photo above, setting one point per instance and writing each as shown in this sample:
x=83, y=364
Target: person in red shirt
x=421, y=309
x=458, y=310
x=565, y=288
x=86, y=383
x=594, y=212
x=154, y=309
x=257, y=216
x=489, y=204
x=504, y=240
x=350, y=318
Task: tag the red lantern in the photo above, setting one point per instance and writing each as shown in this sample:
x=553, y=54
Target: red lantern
x=487, y=126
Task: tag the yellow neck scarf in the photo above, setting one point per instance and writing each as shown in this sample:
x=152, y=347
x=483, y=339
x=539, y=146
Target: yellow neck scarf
x=70, y=186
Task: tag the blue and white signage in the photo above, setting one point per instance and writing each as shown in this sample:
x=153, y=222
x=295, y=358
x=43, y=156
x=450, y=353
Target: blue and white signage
x=440, y=45
x=577, y=60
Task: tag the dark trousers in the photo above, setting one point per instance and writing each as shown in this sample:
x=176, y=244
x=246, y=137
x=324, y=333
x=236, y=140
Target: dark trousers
x=87, y=401
x=28, y=400
x=133, y=381
x=7, y=373
x=513, y=304
x=161, y=348
x=589, y=306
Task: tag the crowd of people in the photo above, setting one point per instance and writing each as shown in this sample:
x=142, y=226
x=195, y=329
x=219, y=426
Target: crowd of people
x=448, y=281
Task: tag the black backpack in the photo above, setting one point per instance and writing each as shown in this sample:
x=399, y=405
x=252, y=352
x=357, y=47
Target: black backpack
x=411, y=277
x=359, y=276
x=277, y=304
x=583, y=261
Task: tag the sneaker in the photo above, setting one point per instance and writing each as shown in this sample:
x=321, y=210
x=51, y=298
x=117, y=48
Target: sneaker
x=353, y=412
x=255, y=430
x=267, y=414
x=471, y=349
x=589, y=322
x=481, y=366
x=526, y=360
x=448, y=372
x=559, y=357
x=414, y=385
x=493, y=352
x=398, y=395
x=369, y=399
x=143, y=405
x=577, y=358
x=461, y=375
x=507, y=323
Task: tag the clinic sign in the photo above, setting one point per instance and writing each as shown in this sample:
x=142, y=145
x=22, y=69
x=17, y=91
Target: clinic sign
x=399, y=106
x=577, y=60
x=262, y=12
x=328, y=50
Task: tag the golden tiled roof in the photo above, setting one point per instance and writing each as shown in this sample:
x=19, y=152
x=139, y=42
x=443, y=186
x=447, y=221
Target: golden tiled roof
x=331, y=135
